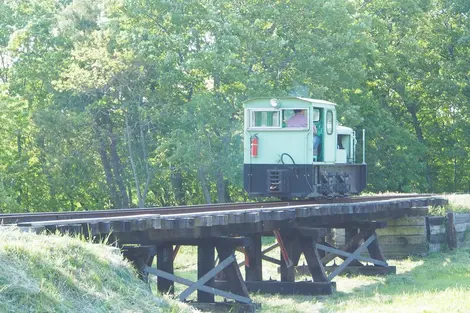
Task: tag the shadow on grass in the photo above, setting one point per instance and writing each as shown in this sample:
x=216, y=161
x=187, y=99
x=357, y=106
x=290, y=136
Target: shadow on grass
x=434, y=273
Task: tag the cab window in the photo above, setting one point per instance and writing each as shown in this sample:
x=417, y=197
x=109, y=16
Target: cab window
x=295, y=118
x=265, y=119
x=316, y=115
x=329, y=122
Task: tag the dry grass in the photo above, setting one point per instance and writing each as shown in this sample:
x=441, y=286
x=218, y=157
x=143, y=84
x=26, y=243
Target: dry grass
x=458, y=202
x=41, y=273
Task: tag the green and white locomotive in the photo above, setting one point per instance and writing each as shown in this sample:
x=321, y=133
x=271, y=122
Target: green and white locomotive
x=294, y=147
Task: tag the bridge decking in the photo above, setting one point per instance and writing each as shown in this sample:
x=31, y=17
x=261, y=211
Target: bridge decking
x=299, y=229
x=168, y=226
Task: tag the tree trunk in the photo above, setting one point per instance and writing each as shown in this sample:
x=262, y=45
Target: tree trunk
x=221, y=191
x=412, y=109
x=177, y=185
x=117, y=167
x=20, y=185
x=131, y=160
x=205, y=187
x=107, y=167
x=143, y=144
x=46, y=172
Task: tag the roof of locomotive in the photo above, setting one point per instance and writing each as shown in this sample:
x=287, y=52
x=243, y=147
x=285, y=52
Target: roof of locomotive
x=317, y=101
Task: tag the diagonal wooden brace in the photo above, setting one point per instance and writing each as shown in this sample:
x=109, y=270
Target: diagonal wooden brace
x=175, y=251
x=247, y=259
x=348, y=247
x=285, y=255
x=264, y=257
x=204, y=279
x=353, y=256
x=187, y=282
x=339, y=252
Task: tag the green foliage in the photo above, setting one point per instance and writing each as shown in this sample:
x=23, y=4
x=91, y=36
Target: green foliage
x=104, y=101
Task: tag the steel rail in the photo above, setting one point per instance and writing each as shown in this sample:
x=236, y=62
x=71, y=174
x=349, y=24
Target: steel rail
x=15, y=218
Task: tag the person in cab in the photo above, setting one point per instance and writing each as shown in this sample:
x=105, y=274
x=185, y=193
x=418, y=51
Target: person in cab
x=298, y=119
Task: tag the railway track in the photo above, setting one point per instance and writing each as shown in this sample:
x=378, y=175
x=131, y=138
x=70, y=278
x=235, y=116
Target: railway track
x=17, y=218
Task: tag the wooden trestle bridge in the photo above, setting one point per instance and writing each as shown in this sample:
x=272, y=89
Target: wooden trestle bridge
x=300, y=227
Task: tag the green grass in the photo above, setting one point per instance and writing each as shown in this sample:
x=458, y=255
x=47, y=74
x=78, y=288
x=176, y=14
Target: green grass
x=439, y=282
x=62, y=274
x=41, y=273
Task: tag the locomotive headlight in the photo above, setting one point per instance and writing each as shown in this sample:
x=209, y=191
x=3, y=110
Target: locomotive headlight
x=274, y=103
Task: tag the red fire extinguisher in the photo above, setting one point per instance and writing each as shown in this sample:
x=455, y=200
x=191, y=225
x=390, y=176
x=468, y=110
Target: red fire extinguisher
x=254, y=146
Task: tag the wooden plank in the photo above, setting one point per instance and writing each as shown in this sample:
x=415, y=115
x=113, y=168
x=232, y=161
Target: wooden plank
x=265, y=215
x=350, y=236
x=312, y=257
x=165, y=264
x=402, y=239
x=437, y=238
x=338, y=252
x=220, y=219
x=435, y=247
x=186, y=223
x=451, y=231
x=170, y=223
x=403, y=230
x=90, y=220
x=280, y=215
x=437, y=229
x=207, y=277
x=272, y=260
x=407, y=221
x=418, y=211
x=164, y=275
x=436, y=220
x=462, y=218
x=270, y=248
x=352, y=257
x=205, y=263
x=462, y=227
x=203, y=221
x=349, y=248
x=253, y=270
x=232, y=271
x=376, y=252
x=352, y=225
x=461, y=237
x=286, y=256
x=301, y=212
x=236, y=218
x=252, y=217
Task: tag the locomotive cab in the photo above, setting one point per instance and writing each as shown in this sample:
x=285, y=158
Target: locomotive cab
x=294, y=147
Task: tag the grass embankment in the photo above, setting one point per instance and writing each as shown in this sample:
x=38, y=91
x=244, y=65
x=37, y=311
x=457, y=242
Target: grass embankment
x=41, y=273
